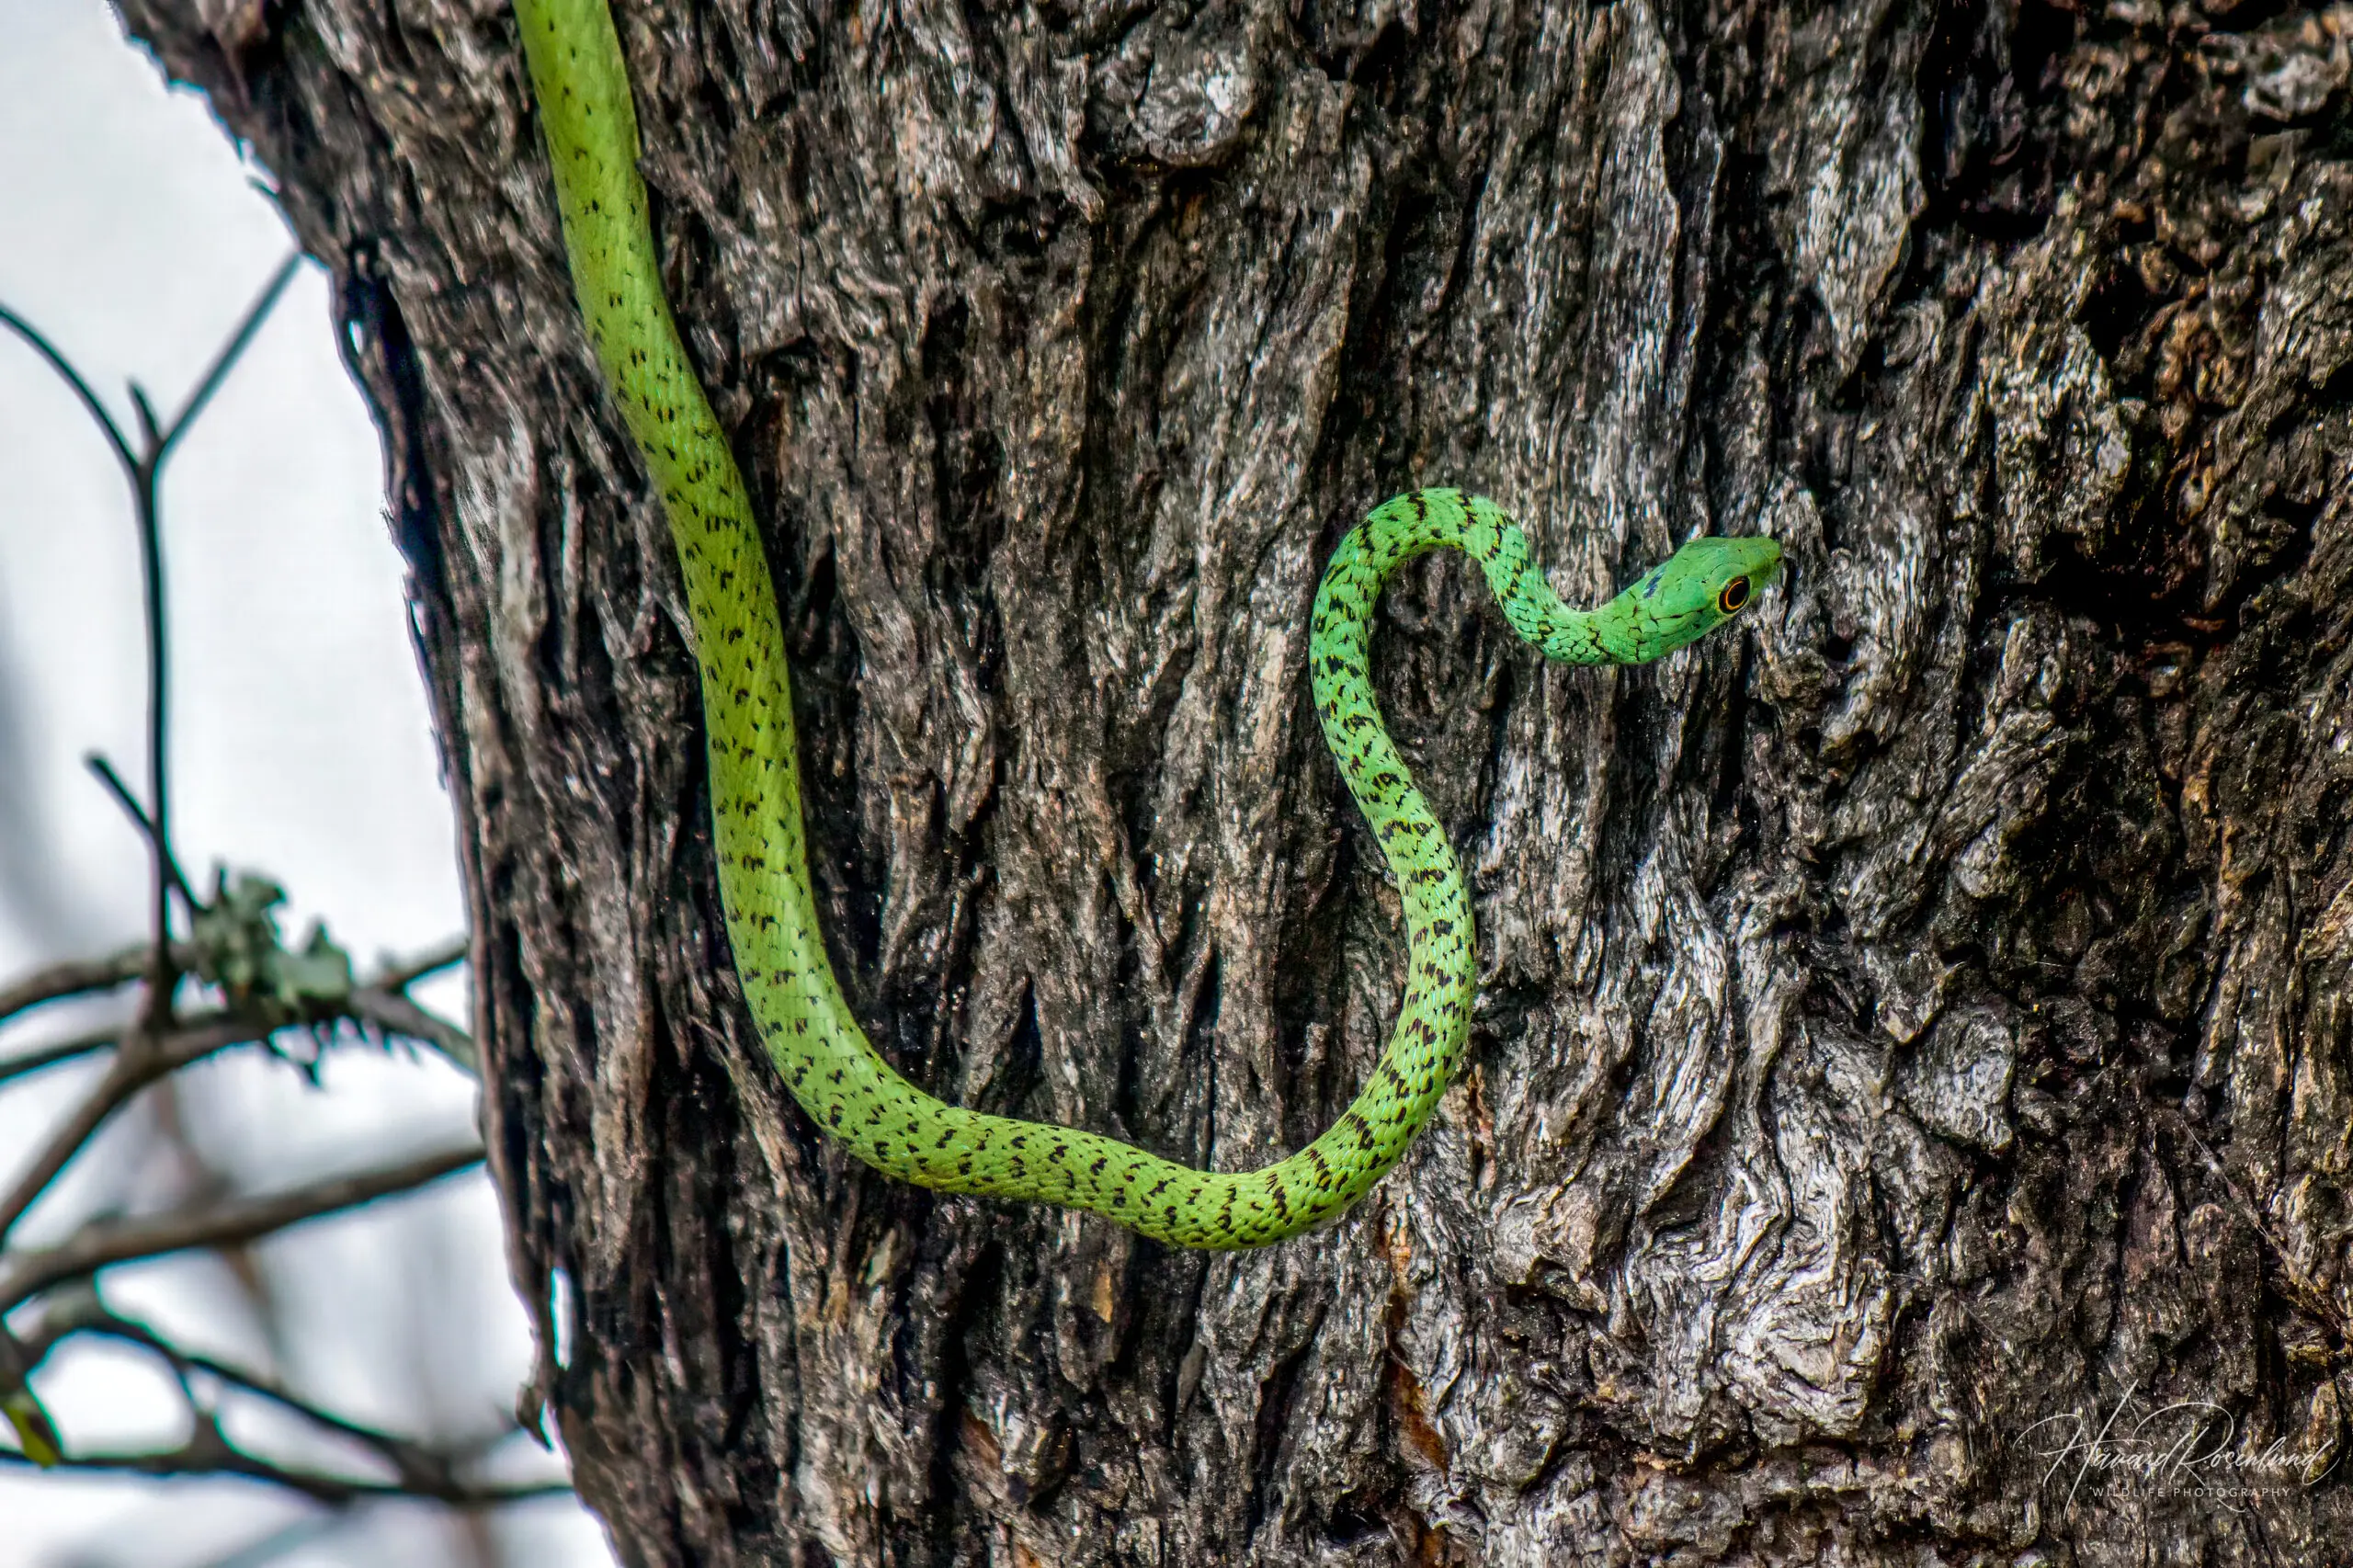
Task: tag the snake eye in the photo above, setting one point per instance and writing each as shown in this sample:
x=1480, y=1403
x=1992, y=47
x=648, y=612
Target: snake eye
x=1732, y=595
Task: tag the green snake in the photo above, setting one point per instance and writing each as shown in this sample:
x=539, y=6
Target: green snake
x=840, y=1080
x=845, y=1086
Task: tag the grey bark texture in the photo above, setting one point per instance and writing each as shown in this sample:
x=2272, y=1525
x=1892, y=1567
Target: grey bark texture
x=1913, y=1018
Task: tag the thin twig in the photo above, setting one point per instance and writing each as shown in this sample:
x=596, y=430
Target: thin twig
x=80, y=977
x=87, y=1314
x=76, y=977
x=146, y=476
x=395, y=1014
x=72, y=378
x=62, y=1052
x=158, y=1045
x=230, y=1222
x=125, y=1076
x=190, y=1040
x=226, y=360
x=151, y=431
x=403, y=973
x=97, y=763
x=209, y=1454
x=146, y=486
x=129, y=1071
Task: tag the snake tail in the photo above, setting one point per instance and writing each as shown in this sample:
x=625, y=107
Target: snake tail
x=582, y=88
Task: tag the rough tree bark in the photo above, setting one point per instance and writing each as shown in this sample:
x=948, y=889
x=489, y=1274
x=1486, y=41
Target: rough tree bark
x=1914, y=1018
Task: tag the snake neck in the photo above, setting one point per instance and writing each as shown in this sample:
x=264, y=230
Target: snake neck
x=1413, y=525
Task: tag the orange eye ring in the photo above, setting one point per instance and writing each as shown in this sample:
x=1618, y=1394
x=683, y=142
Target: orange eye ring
x=1733, y=596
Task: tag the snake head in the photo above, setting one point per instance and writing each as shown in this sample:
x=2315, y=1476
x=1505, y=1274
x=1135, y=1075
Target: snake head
x=1697, y=589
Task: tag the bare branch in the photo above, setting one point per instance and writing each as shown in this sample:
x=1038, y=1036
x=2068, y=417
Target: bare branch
x=144, y=469
x=144, y=1060
x=162, y=977
x=401, y=975
x=226, y=360
x=97, y=763
x=148, y=1058
x=226, y=1223
x=395, y=1014
x=209, y=1454
x=419, y=1470
x=76, y=977
x=146, y=484
x=414, y=1462
x=72, y=378
x=151, y=433
x=128, y=1074
x=80, y=977
x=158, y=1045
x=62, y=1052
x=260, y=1384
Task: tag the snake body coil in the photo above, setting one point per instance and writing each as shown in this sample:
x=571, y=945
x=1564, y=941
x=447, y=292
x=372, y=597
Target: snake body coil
x=586, y=112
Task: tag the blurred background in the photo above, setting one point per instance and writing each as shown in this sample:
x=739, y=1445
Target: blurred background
x=133, y=236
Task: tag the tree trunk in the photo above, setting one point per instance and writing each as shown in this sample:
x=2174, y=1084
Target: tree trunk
x=1913, y=1018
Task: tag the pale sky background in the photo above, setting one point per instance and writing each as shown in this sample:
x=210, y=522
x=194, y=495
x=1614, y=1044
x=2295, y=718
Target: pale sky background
x=133, y=235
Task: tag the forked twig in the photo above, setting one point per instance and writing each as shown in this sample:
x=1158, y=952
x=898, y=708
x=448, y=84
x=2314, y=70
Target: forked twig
x=264, y=986
x=144, y=469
